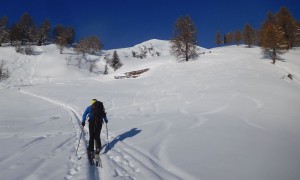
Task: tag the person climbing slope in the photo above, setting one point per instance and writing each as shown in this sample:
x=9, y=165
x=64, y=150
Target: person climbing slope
x=96, y=115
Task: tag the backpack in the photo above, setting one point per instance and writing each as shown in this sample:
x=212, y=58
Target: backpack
x=98, y=111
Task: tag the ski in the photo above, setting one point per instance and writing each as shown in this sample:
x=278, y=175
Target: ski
x=90, y=157
x=94, y=158
x=98, y=161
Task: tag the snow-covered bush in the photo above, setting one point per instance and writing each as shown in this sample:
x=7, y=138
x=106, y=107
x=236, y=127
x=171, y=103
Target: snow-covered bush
x=92, y=66
x=26, y=49
x=144, y=52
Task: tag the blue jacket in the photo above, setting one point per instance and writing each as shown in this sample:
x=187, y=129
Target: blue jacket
x=88, y=112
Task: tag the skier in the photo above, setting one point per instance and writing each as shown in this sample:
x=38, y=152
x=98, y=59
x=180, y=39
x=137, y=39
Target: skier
x=96, y=114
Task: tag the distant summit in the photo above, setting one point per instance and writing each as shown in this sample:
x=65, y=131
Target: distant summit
x=147, y=49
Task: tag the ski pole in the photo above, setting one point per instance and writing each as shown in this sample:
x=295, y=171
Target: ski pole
x=79, y=141
x=107, y=136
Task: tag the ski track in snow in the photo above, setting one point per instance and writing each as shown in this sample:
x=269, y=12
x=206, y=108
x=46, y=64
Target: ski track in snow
x=258, y=105
x=201, y=119
x=127, y=162
x=76, y=166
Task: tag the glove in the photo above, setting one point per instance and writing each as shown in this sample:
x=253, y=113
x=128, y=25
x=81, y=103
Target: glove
x=105, y=119
x=83, y=124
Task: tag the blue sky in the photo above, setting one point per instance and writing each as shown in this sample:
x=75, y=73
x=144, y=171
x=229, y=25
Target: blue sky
x=124, y=23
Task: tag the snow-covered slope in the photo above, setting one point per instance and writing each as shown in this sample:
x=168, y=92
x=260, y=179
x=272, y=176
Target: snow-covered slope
x=230, y=114
x=47, y=65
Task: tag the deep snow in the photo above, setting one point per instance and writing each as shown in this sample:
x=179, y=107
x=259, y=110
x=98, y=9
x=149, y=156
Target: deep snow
x=230, y=114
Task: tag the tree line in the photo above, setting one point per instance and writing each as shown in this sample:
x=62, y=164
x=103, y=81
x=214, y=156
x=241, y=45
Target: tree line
x=277, y=34
x=26, y=32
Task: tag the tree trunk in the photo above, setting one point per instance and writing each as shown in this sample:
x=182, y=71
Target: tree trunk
x=1, y=68
x=274, y=56
x=39, y=43
x=186, y=57
x=186, y=53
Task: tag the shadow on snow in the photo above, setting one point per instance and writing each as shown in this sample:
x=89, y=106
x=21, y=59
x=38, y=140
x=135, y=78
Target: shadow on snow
x=121, y=137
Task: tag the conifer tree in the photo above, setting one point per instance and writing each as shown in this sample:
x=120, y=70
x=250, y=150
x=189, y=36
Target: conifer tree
x=288, y=24
x=70, y=33
x=28, y=28
x=183, y=44
x=95, y=44
x=115, y=61
x=248, y=35
x=43, y=33
x=63, y=36
x=61, y=41
x=89, y=45
x=229, y=37
x=237, y=37
x=225, y=39
x=57, y=31
x=272, y=38
x=218, y=38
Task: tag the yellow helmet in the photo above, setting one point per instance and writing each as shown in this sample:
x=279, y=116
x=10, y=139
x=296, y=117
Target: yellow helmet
x=94, y=100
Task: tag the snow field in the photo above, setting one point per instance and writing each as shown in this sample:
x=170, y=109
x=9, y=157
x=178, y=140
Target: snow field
x=228, y=115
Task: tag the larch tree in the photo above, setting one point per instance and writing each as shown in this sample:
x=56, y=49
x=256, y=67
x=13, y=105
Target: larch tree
x=225, y=39
x=70, y=33
x=57, y=31
x=248, y=35
x=61, y=41
x=43, y=33
x=218, y=40
x=15, y=34
x=95, y=44
x=272, y=38
x=237, y=37
x=89, y=45
x=28, y=28
x=288, y=24
x=229, y=37
x=63, y=36
x=184, y=41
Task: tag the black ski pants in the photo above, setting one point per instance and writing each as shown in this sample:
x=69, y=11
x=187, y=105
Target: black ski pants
x=95, y=130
